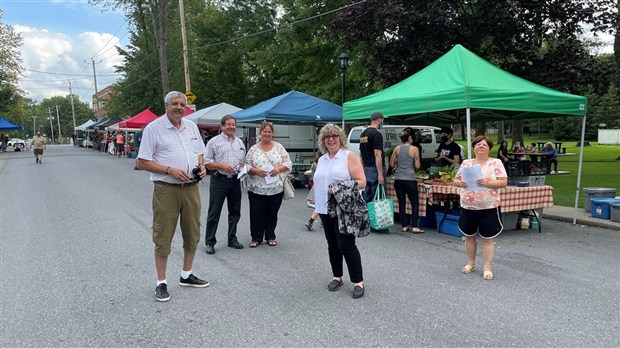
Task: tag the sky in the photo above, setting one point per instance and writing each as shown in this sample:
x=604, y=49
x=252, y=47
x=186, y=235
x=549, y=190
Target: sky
x=60, y=41
x=62, y=38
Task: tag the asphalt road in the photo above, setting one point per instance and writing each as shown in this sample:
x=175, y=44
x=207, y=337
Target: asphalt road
x=77, y=270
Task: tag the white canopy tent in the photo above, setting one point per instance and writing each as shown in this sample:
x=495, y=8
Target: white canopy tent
x=212, y=115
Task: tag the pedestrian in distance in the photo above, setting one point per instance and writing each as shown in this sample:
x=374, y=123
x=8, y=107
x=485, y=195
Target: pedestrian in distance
x=137, y=140
x=340, y=172
x=224, y=156
x=314, y=216
x=480, y=202
x=120, y=144
x=173, y=152
x=502, y=152
x=267, y=163
x=406, y=160
x=551, y=157
x=39, y=143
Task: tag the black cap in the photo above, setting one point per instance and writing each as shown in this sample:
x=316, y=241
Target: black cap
x=376, y=115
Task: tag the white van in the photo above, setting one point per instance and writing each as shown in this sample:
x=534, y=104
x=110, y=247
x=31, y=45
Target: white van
x=429, y=138
x=294, y=138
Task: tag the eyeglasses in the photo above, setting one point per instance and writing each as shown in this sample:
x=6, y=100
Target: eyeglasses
x=332, y=136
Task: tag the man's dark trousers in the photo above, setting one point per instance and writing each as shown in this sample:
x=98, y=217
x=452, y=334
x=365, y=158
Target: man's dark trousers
x=223, y=188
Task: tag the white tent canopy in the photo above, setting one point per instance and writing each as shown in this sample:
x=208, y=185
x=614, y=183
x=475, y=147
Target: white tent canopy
x=84, y=126
x=212, y=115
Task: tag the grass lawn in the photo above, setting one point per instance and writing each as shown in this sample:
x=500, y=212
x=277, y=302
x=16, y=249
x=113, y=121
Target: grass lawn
x=601, y=168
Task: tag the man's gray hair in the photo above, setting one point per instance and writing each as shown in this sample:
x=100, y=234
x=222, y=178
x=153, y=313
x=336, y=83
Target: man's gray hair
x=172, y=95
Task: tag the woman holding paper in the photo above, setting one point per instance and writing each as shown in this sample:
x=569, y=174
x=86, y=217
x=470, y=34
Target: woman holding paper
x=267, y=162
x=480, y=204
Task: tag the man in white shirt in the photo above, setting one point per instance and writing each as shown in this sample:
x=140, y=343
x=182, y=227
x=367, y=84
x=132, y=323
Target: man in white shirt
x=224, y=156
x=173, y=151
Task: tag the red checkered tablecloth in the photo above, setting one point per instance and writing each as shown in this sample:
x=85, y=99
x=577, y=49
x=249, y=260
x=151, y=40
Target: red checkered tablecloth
x=512, y=198
x=422, y=197
x=526, y=198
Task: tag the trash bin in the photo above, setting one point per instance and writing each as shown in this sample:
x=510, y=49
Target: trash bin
x=590, y=193
x=615, y=212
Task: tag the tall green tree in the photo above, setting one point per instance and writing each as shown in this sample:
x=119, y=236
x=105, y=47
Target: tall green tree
x=11, y=97
x=47, y=108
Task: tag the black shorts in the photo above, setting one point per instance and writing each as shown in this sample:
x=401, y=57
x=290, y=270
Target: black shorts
x=485, y=222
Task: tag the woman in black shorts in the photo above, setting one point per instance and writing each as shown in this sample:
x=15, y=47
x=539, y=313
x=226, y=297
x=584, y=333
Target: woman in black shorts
x=480, y=205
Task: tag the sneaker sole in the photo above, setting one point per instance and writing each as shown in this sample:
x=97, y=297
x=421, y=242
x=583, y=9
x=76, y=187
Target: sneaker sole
x=163, y=299
x=194, y=285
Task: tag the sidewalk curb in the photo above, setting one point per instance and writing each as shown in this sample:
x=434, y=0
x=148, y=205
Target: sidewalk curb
x=586, y=222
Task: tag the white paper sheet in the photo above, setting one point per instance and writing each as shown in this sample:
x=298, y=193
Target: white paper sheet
x=242, y=173
x=269, y=179
x=470, y=176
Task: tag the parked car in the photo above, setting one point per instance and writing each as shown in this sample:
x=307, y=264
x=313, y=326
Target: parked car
x=17, y=143
x=429, y=138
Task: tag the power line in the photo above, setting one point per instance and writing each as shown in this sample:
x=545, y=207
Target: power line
x=61, y=74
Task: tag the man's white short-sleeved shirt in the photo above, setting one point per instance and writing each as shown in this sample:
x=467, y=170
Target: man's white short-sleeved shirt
x=177, y=148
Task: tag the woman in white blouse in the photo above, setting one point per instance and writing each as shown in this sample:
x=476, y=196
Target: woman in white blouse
x=338, y=165
x=267, y=163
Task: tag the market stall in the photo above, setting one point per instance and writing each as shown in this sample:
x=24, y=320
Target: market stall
x=513, y=199
x=460, y=87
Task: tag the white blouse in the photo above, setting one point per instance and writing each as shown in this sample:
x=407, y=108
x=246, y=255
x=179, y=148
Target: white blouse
x=329, y=171
x=258, y=159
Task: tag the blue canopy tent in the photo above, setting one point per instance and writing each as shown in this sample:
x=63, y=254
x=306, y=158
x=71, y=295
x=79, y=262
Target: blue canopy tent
x=291, y=108
x=7, y=125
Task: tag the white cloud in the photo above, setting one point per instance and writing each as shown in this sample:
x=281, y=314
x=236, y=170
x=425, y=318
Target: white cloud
x=52, y=58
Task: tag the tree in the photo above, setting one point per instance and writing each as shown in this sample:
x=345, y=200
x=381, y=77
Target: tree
x=11, y=97
x=158, y=11
x=47, y=108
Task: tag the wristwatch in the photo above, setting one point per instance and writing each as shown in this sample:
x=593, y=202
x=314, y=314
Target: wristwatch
x=168, y=171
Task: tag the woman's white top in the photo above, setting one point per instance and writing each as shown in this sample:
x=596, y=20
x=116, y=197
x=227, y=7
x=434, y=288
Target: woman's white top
x=258, y=158
x=329, y=171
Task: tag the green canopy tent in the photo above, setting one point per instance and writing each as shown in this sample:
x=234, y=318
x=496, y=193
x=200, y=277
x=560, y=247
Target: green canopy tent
x=460, y=86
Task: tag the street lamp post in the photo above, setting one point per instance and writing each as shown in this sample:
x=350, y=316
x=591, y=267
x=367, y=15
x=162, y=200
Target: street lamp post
x=51, y=127
x=344, y=62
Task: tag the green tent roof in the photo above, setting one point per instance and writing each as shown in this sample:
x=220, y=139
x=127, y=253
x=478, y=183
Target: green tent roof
x=458, y=80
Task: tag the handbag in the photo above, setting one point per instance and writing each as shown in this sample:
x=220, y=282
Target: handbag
x=381, y=210
x=289, y=190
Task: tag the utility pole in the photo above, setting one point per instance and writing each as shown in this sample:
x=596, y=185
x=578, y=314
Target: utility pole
x=59, y=131
x=34, y=125
x=50, y=117
x=72, y=110
x=184, y=41
x=96, y=101
x=72, y=106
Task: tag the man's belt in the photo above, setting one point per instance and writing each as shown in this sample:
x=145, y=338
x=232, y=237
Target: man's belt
x=184, y=184
x=226, y=176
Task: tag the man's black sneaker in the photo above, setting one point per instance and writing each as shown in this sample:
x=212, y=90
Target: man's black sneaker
x=235, y=244
x=161, y=293
x=309, y=224
x=193, y=281
x=210, y=249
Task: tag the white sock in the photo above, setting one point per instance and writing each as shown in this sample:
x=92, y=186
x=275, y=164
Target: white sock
x=185, y=274
x=161, y=282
